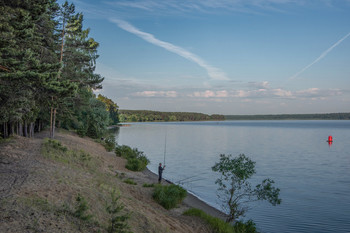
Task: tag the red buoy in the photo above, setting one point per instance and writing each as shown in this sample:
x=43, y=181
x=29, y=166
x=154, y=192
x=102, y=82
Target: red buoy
x=330, y=139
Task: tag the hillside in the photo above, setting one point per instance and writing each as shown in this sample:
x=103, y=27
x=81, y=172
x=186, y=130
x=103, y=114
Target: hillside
x=39, y=191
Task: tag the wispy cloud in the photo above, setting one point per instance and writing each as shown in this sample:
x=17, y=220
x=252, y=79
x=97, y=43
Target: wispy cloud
x=321, y=56
x=208, y=6
x=169, y=94
x=213, y=72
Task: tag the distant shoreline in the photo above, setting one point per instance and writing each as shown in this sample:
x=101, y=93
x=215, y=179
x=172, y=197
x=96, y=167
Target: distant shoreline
x=128, y=116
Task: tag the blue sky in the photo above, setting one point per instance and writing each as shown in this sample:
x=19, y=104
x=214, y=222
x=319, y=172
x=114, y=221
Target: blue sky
x=223, y=56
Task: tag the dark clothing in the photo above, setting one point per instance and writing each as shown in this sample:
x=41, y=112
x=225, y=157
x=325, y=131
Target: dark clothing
x=160, y=172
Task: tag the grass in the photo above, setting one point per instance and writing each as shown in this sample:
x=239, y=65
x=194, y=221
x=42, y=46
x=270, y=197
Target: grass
x=219, y=226
x=148, y=185
x=54, y=149
x=169, y=196
x=130, y=181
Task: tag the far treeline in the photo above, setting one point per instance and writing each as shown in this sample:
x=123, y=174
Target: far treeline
x=47, y=71
x=146, y=116
x=327, y=116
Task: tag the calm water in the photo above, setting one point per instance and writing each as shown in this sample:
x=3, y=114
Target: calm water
x=314, y=177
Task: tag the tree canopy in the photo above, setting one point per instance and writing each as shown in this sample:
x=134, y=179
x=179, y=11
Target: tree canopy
x=144, y=116
x=47, y=70
x=235, y=189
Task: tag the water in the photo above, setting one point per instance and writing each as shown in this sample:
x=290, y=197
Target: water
x=314, y=177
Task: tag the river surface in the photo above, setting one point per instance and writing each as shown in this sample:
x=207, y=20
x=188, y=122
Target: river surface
x=314, y=177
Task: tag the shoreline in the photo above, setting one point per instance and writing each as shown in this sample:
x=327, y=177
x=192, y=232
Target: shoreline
x=191, y=200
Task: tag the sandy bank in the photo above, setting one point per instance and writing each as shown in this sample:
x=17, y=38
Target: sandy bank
x=38, y=193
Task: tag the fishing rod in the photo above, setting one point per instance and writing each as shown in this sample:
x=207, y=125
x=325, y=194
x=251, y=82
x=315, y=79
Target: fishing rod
x=164, y=147
x=190, y=177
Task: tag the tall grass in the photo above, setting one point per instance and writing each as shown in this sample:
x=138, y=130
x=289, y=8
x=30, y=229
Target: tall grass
x=53, y=149
x=169, y=196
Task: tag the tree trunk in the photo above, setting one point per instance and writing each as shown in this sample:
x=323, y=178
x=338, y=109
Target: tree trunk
x=25, y=129
x=12, y=129
x=53, y=123
x=20, y=126
x=31, y=130
x=6, y=132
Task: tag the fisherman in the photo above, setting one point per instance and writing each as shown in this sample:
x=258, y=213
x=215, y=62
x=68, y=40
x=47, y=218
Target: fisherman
x=160, y=172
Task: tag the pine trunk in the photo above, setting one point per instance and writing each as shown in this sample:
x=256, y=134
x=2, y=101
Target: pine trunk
x=31, y=130
x=25, y=131
x=12, y=129
x=20, y=126
x=53, y=123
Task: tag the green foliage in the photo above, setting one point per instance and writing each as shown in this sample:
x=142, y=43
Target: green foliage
x=109, y=142
x=48, y=62
x=111, y=107
x=142, y=116
x=124, y=151
x=130, y=181
x=81, y=208
x=169, y=196
x=148, y=185
x=235, y=189
x=136, y=160
x=219, y=226
x=117, y=220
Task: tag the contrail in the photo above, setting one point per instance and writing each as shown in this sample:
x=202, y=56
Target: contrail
x=213, y=72
x=321, y=56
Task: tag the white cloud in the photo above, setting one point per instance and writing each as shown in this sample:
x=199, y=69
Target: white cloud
x=213, y=72
x=311, y=93
x=169, y=94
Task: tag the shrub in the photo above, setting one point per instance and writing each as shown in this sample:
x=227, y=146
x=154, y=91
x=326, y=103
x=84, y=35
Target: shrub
x=169, y=196
x=109, y=142
x=148, y=185
x=117, y=220
x=81, y=208
x=220, y=226
x=136, y=160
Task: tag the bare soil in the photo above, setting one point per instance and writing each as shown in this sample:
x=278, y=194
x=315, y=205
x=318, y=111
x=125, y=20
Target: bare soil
x=38, y=193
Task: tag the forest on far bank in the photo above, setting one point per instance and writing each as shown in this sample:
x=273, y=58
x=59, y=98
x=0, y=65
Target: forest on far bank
x=324, y=116
x=147, y=116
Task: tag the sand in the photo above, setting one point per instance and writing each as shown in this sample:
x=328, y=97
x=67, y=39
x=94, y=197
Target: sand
x=37, y=193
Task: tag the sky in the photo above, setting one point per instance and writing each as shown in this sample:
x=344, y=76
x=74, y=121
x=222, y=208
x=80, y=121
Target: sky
x=228, y=57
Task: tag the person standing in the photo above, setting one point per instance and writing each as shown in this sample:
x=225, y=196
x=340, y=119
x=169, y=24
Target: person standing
x=160, y=172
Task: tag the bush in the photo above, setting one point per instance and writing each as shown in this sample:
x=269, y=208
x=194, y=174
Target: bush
x=220, y=226
x=117, y=220
x=81, y=208
x=109, y=143
x=136, y=160
x=123, y=151
x=169, y=196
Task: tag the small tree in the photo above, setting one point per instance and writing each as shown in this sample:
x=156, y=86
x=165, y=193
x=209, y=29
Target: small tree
x=236, y=191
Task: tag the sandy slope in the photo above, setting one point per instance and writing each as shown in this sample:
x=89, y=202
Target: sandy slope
x=37, y=194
